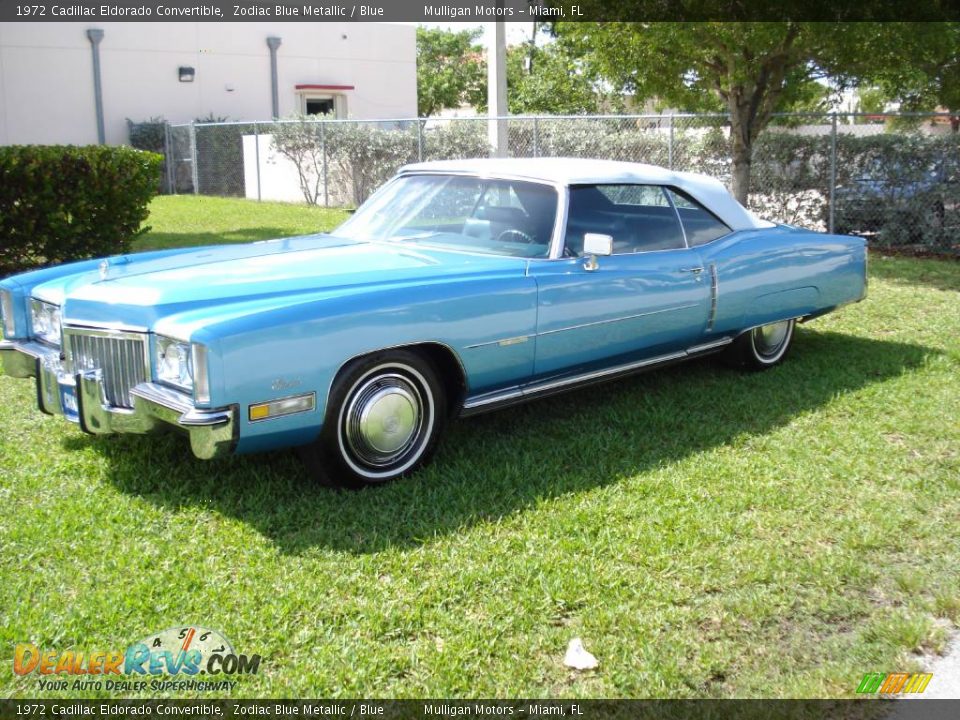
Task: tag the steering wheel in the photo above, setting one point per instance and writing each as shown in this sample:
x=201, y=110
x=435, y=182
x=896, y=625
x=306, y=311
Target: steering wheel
x=514, y=233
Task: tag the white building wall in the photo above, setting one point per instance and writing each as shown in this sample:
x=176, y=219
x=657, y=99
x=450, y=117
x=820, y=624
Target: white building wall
x=46, y=74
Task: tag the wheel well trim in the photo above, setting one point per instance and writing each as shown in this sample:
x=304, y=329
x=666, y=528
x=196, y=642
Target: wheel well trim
x=458, y=401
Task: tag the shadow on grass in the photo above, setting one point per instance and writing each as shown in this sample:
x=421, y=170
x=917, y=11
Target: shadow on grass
x=167, y=240
x=499, y=464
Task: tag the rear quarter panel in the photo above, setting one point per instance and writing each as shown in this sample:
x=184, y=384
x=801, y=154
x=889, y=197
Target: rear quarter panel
x=783, y=272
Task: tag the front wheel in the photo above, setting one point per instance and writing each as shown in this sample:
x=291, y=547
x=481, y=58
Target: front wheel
x=384, y=417
x=763, y=347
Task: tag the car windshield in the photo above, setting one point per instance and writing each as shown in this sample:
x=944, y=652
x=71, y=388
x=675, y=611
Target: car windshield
x=494, y=216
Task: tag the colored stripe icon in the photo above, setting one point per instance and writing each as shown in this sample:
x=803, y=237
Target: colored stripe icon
x=894, y=683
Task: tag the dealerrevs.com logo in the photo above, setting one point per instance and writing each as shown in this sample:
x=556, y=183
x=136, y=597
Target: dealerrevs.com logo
x=180, y=659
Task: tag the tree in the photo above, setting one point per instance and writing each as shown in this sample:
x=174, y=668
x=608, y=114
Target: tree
x=300, y=142
x=450, y=70
x=931, y=79
x=548, y=80
x=755, y=69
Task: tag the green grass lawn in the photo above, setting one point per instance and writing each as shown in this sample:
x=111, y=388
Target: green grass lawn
x=183, y=220
x=706, y=532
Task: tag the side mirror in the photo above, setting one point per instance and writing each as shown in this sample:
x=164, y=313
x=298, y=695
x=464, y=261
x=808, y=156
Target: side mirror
x=596, y=244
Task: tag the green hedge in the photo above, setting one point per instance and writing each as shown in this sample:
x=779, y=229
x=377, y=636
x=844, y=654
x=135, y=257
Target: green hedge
x=62, y=203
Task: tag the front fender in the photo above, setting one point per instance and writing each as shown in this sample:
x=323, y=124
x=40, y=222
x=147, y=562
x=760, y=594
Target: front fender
x=261, y=352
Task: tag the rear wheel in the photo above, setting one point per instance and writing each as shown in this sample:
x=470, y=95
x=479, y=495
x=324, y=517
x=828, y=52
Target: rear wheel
x=763, y=347
x=384, y=417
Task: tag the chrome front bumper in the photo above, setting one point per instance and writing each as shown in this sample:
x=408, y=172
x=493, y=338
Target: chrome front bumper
x=213, y=433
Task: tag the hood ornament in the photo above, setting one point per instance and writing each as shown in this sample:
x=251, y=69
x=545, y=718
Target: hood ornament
x=104, y=269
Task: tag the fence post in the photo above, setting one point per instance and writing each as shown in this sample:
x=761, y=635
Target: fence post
x=194, y=174
x=536, y=137
x=833, y=170
x=168, y=158
x=323, y=151
x=256, y=145
x=670, y=145
x=419, y=140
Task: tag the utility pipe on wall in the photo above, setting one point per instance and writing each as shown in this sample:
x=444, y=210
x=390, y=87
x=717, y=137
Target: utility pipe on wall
x=497, y=89
x=95, y=35
x=273, y=43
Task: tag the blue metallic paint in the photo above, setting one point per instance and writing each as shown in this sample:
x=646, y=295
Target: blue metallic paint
x=297, y=310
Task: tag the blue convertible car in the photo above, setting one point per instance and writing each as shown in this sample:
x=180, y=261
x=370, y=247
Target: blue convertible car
x=458, y=288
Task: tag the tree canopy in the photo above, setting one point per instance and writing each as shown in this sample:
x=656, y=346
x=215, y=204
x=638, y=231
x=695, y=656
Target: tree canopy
x=548, y=80
x=451, y=70
x=758, y=68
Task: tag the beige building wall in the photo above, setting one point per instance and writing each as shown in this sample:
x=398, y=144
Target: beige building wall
x=46, y=74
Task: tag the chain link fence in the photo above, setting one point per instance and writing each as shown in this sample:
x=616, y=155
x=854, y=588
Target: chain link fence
x=893, y=178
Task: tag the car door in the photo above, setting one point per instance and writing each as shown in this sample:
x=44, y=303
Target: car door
x=650, y=298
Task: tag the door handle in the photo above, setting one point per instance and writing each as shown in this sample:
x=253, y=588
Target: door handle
x=694, y=270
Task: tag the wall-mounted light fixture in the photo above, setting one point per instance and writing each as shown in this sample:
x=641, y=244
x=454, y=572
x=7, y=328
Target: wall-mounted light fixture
x=186, y=73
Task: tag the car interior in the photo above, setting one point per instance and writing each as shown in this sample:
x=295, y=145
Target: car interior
x=636, y=227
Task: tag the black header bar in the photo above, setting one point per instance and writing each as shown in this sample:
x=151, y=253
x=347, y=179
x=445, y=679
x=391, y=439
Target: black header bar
x=476, y=10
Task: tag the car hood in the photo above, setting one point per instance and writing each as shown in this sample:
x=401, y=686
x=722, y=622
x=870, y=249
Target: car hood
x=137, y=290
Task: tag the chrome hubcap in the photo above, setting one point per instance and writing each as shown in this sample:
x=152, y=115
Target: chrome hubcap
x=769, y=339
x=384, y=419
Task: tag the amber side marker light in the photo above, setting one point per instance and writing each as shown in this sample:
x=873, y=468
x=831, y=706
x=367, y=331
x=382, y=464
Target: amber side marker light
x=283, y=406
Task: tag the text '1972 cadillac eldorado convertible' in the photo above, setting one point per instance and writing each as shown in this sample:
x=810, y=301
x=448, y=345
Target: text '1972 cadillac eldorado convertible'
x=459, y=287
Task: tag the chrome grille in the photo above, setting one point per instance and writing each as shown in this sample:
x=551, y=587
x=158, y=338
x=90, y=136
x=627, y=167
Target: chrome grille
x=120, y=357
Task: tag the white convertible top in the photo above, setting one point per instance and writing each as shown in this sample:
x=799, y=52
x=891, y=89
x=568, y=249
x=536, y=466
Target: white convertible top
x=580, y=171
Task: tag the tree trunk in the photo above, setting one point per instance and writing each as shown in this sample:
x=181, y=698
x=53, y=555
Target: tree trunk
x=741, y=151
x=741, y=173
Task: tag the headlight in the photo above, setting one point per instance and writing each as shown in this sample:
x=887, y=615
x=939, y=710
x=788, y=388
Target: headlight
x=45, y=321
x=174, y=362
x=7, y=323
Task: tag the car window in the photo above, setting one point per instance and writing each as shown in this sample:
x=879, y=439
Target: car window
x=497, y=216
x=650, y=195
x=700, y=225
x=638, y=217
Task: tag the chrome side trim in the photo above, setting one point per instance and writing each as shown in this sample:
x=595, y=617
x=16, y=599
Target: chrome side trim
x=597, y=374
x=517, y=394
x=505, y=342
x=494, y=398
x=523, y=338
x=706, y=347
x=714, y=290
x=617, y=319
